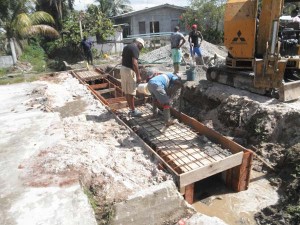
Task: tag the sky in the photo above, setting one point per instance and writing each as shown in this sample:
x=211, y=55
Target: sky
x=136, y=4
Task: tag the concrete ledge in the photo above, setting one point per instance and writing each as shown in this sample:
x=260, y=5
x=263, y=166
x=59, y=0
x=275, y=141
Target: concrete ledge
x=160, y=204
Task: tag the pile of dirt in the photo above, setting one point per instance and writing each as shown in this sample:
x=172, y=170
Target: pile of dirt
x=163, y=54
x=287, y=210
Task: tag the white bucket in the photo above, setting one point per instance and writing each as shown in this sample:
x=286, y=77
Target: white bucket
x=143, y=89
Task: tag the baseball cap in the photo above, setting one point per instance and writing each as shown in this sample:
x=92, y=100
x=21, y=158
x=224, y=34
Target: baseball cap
x=141, y=41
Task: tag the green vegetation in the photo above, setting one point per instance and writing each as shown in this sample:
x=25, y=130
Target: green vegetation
x=91, y=198
x=208, y=15
x=35, y=55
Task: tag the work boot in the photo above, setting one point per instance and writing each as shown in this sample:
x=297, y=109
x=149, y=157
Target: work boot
x=167, y=118
x=154, y=110
x=135, y=113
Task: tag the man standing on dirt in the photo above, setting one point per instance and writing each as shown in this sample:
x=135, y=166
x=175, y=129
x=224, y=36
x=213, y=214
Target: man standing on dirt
x=130, y=74
x=87, y=49
x=162, y=86
x=177, y=40
x=194, y=37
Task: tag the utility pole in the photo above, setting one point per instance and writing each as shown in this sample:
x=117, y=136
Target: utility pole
x=81, y=15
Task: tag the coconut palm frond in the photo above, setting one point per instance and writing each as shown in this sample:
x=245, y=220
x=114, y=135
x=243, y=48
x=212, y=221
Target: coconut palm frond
x=44, y=30
x=41, y=17
x=20, y=22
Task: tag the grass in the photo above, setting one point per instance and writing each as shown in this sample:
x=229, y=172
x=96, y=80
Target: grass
x=32, y=54
x=35, y=55
x=19, y=79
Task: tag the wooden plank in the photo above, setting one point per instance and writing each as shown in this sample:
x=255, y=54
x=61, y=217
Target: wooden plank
x=240, y=175
x=189, y=193
x=115, y=100
x=99, y=86
x=211, y=169
x=118, y=105
x=108, y=90
x=90, y=75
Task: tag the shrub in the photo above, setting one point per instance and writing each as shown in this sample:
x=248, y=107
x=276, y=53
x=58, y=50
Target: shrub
x=35, y=55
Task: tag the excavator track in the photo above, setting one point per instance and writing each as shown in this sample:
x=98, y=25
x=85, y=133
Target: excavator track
x=289, y=90
x=235, y=78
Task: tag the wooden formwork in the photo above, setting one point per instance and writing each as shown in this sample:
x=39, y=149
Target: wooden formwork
x=178, y=147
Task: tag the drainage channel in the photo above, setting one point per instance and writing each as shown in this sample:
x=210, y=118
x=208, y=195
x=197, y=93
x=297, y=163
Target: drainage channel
x=189, y=150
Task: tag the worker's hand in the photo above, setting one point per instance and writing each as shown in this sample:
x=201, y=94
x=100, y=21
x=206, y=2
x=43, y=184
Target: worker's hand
x=138, y=79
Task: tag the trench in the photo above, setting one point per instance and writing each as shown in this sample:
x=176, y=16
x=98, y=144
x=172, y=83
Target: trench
x=278, y=147
x=215, y=201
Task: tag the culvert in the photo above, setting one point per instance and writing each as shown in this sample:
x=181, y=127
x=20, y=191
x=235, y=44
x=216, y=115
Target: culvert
x=189, y=150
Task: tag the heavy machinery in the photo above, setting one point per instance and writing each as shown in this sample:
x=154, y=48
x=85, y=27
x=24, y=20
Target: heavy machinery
x=263, y=54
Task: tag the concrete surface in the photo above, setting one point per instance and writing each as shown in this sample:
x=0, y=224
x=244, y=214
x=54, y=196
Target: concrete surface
x=6, y=61
x=161, y=204
x=23, y=133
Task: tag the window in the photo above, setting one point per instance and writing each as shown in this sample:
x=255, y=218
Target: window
x=154, y=27
x=142, y=28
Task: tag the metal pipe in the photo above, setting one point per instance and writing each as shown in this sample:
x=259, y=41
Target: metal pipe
x=274, y=36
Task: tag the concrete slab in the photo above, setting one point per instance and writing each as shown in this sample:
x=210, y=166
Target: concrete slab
x=24, y=132
x=161, y=204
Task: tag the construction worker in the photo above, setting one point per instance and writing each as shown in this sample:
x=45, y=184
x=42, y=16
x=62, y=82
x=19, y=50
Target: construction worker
x=193, y=39
x=177, y=40
x=162, y=86
x=87, y=49
x=130, y=74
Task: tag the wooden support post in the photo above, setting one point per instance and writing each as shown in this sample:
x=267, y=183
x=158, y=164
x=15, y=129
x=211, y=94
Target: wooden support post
x=189, y=193
x=238, y=178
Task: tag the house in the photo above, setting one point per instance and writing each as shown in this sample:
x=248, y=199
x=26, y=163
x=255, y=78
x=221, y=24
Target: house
x=159, y=20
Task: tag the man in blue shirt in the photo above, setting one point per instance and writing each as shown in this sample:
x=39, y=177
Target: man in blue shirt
x=161, y=87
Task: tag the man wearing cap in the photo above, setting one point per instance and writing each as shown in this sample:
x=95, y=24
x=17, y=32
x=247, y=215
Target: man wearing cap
x=177, y=40
x=130, y=74
x=162, y=86
x=194, y=36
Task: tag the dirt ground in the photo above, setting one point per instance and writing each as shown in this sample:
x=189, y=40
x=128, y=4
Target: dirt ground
x=88, y=145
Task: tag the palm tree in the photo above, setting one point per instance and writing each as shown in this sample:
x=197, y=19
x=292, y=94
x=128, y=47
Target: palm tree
x=57, y=8
x=19, y=22
x=114, y=7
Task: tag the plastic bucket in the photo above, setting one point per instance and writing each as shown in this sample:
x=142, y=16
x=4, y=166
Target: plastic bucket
x=143, y=89
x=190, y=74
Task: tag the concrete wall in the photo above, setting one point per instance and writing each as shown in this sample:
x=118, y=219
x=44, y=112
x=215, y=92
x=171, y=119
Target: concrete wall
x=164, y=15
x=6, y=61
x=113, y=46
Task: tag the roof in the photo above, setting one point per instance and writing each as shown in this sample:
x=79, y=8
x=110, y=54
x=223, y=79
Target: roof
x=149, y=9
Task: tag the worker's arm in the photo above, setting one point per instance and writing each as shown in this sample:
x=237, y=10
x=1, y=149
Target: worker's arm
x=136, y=69
x=200, y=36
x=182, y=42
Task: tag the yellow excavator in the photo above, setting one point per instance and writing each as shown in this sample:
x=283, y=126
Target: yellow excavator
x=263, y=53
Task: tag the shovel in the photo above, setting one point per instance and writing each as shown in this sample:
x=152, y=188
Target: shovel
x=180, y=102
